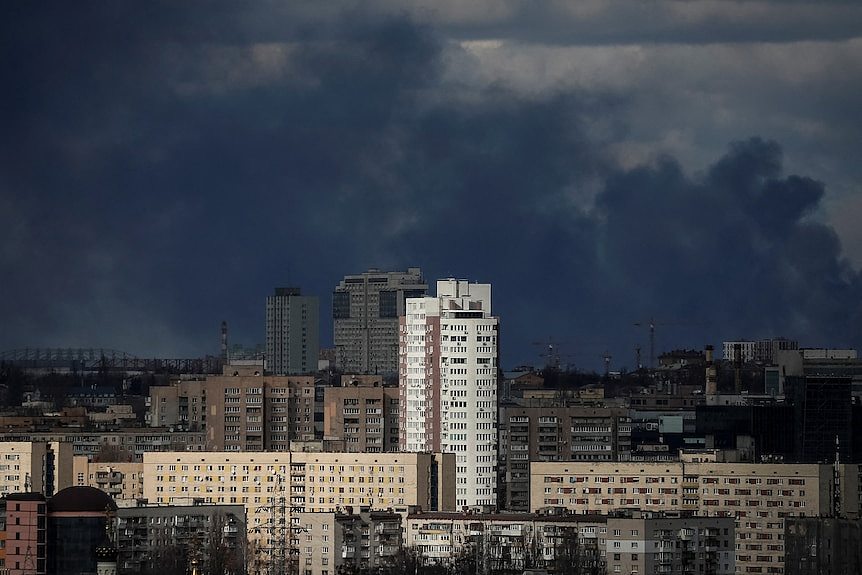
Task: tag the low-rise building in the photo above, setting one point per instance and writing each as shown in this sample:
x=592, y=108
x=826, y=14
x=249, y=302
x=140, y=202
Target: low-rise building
x=758, y=496
x=624, y=542
x=325, y=543
x=818, y=545
x=214, y=535
x=122, y=481
x=119, y=445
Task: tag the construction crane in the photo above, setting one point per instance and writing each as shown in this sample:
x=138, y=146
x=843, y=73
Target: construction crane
x=606, y=357
x=552, y=350
x=652, y=323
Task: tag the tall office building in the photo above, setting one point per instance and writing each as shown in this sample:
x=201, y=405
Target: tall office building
x=365, y=312
x=448, y=384
x=292, y=332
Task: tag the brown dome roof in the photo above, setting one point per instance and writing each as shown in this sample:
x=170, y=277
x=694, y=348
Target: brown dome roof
x=81, y=499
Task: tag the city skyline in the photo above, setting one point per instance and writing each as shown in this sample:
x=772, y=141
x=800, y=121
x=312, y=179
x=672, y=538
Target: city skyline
x=165, y=167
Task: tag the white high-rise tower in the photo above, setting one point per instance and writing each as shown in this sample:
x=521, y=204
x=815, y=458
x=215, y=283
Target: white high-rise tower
x=448, y=384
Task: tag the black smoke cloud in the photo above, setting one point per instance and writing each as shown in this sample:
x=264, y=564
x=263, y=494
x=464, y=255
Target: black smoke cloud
x=163, y=167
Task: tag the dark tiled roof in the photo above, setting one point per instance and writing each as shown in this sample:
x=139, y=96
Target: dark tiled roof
x=81, y=499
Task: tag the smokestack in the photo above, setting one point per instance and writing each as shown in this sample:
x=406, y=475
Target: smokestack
x=737, y=368
x=224, y=341
x=711, y=387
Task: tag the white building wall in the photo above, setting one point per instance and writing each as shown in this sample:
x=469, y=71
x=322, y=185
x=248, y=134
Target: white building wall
x=465, y=352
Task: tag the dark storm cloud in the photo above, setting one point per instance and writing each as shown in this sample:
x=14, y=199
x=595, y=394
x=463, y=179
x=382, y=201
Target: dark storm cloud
x=165, y=167
x=732, y=249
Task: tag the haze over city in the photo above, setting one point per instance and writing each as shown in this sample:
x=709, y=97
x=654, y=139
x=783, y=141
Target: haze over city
x=164, y=166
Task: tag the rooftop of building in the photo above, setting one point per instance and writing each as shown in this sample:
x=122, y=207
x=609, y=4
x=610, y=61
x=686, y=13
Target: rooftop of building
x=25, y=497
x=81, y=499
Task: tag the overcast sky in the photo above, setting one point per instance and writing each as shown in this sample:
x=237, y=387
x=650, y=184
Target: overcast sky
x=165, y=165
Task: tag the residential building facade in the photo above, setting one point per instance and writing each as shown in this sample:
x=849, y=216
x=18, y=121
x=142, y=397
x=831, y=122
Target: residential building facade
x=363, y=413
x=259, y=412
x=325, y=543
x=125, y=444
x=448, y=384
x=365, y=312
x=26, y=534
x=203, y=532
x=123, y=481
x=758, y=496
x=574, y=433
x=182, y=405
x=308, y=482
x=35, y=466
x=625, y=542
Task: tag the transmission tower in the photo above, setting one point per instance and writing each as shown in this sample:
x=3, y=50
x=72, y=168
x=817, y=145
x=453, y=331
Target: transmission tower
x=276, y=528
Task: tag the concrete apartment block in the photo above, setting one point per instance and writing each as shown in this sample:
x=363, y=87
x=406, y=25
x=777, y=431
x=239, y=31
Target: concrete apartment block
x=758, y=496
x=363, y=414
x=308, y=481
x=124, y=481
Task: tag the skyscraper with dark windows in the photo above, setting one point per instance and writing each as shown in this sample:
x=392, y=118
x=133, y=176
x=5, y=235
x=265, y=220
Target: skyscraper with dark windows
x=292, y=332
x=365, y=311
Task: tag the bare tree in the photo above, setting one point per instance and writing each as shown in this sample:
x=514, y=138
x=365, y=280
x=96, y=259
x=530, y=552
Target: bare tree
x=222, y=557
x=573, y=558
x=170, y=560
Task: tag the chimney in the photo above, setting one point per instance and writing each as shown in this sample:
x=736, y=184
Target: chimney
x=224, y=341
x=711, y=387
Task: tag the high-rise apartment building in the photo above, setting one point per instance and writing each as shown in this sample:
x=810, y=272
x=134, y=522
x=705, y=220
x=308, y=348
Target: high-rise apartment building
x=363, y=413
x=240, y=410
x=365, y=312
x=448, y=384
x=180, y=406
x=292, y=332
x=546, y=433
x=259, y=413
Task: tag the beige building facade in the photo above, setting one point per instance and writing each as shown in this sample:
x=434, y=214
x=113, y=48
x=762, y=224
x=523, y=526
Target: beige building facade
x=758, y=496
x=323, y=543
x=309, y=482
x=124, y=481
x=35, y=466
